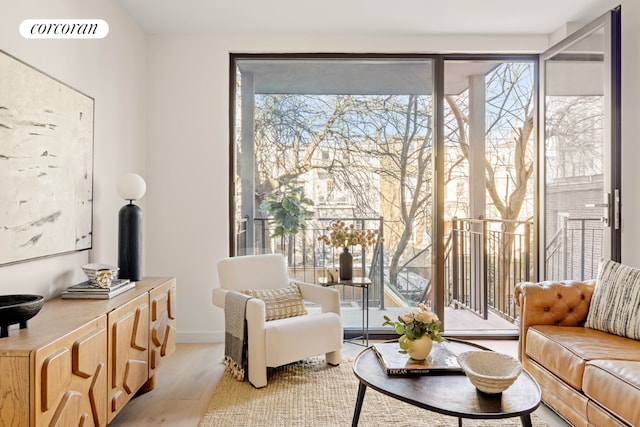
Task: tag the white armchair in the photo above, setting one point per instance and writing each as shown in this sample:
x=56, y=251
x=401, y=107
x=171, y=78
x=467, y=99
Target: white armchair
x=282, y=341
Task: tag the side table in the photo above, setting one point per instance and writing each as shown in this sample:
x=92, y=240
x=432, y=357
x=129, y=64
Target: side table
x=362, y=283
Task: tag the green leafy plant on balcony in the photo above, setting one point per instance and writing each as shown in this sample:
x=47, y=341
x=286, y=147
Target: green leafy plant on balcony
x=288, y=207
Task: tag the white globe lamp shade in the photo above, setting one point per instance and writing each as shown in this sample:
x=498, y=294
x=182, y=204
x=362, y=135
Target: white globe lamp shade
x=131, y=186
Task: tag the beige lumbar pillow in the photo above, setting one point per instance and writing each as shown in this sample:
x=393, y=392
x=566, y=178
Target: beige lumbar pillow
x=281, y=302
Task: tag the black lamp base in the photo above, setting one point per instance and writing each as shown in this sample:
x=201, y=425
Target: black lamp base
x=130, y=242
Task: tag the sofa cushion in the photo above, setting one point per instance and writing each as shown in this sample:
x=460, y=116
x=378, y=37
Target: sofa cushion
x=280, y=303
x=566, y=400
x=615, y=385
x=565, y=350
x=599, y=416
x=615, y=301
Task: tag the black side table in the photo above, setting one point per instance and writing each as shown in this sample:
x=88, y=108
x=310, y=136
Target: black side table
x=362, y=283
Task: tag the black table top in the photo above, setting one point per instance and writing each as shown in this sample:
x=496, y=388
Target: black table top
x=449, y=394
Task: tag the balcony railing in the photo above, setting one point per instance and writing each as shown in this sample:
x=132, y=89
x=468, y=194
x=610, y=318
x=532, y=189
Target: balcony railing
x=575, y=249
x=484, y=260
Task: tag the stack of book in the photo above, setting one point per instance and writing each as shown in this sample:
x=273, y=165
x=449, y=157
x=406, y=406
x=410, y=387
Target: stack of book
x=440, y=361
x=90, y=290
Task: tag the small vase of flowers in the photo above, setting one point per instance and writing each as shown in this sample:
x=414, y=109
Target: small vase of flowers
x=344, y=236
x=418, y=329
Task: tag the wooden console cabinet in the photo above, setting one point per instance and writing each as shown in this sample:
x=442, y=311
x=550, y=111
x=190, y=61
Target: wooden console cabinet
x=80, y=361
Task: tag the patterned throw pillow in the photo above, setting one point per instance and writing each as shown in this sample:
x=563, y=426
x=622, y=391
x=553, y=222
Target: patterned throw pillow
x=615, y=304
x=280, y=303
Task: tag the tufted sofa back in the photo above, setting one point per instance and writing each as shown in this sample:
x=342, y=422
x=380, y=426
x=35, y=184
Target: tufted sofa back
x=564, y=303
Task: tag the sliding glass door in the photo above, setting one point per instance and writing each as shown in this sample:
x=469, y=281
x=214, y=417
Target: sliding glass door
x=580, y=151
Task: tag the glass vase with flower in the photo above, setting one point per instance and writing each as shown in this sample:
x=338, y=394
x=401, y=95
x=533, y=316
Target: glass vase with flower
x=418, y=329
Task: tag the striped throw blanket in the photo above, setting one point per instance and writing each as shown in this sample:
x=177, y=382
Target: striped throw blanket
x=235, y=336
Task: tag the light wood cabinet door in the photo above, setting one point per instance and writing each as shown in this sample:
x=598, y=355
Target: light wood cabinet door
x=14, y=390
x=71, y=378
x=163, y=324
x=128, y=351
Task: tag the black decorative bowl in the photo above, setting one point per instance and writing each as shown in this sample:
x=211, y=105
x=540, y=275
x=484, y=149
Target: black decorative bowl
x=18, y=309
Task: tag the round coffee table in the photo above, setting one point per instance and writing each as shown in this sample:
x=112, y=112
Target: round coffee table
x=448, y=394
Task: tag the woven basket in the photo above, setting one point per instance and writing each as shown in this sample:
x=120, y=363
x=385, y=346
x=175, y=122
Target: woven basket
x=489, y=371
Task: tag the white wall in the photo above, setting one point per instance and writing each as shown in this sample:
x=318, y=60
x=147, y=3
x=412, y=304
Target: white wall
x=113, y=72
x=630, y=132
x=630, y=113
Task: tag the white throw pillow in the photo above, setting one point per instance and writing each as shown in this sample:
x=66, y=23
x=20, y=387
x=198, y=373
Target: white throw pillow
x=615, y=304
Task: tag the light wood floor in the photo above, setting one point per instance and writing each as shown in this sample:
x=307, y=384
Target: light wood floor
x=187, y=379
x=184, y=385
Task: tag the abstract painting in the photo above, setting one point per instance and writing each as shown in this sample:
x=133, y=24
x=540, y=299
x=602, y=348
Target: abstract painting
x=46, y=164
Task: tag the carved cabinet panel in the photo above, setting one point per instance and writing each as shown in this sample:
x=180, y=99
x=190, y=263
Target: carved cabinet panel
x=128, y=351
x=72, y=373
x=163, y=324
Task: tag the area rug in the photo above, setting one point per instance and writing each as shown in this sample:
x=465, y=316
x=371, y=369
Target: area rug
x=314, y=394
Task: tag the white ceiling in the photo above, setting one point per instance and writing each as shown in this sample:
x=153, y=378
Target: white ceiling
x=381, y=17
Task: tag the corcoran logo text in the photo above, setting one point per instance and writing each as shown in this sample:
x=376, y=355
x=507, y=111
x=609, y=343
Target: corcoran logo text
x=64, y=29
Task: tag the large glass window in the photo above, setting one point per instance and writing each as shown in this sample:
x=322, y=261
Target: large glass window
x=354, y=136
x=352, y=139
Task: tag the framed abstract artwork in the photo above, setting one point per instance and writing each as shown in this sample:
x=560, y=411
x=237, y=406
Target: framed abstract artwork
x=46, y=164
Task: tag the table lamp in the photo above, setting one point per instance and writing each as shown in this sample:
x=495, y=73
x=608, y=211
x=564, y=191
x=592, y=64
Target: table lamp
x=130, y=187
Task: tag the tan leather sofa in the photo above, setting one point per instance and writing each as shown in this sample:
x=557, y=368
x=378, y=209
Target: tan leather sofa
x=588, y=377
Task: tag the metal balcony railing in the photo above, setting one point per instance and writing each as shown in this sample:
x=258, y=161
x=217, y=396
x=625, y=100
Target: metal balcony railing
x=575, y=249
x=484, y=260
